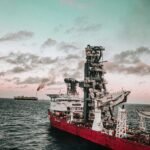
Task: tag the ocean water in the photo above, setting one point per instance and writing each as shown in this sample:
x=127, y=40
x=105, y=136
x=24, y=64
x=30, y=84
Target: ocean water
x=24, y=125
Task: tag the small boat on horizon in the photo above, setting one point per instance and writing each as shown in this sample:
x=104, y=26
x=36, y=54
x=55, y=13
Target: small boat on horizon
x=25, y=98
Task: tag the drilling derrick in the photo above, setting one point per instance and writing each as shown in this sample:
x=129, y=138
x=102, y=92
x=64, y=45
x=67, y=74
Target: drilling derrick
x=94, y=84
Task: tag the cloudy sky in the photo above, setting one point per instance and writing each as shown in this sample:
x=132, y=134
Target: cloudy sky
x=44, y=41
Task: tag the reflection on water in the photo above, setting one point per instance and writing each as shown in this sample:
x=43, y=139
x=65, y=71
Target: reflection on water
x=24, y=125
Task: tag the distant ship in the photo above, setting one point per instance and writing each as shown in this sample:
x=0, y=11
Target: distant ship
x=93, y=117
x=25, y=98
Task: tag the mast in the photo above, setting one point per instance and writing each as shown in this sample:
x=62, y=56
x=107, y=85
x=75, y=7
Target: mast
x=94, y=84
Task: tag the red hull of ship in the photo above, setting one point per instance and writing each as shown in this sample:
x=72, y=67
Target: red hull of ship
x=96, y=137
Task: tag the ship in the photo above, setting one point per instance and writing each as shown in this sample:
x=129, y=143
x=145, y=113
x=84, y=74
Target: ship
x=93, y=117
x=25, y=98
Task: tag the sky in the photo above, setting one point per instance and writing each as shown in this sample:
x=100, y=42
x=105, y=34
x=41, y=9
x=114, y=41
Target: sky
x=44, y=42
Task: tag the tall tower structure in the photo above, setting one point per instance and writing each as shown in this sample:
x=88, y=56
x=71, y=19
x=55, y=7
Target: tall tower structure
x=94, y=83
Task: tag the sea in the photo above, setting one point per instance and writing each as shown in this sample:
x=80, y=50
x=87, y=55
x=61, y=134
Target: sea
x=24, y=125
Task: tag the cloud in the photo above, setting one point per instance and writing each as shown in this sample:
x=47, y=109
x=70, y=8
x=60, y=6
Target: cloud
x=48, y=43
x=89, y=28
x=16, y=70
x=82, y=24
x=47, y=60
x=130, y=62
x=19, y=69
x=67, y=47
x=50, y=80
x=77, y=72
x=58, y=67
x=20, y=35
x=14, y=79
x=20, y=58
x=26, y=61
x=85, y=28
x=74, y=74
x=2, y=74
x=72, y=56
x=62, y=46
x=31, y=80
x=131, y=56
x=67, y=66
x=137, y=69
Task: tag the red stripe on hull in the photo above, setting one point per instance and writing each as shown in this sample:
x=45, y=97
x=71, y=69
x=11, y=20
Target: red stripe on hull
x=96, y=137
